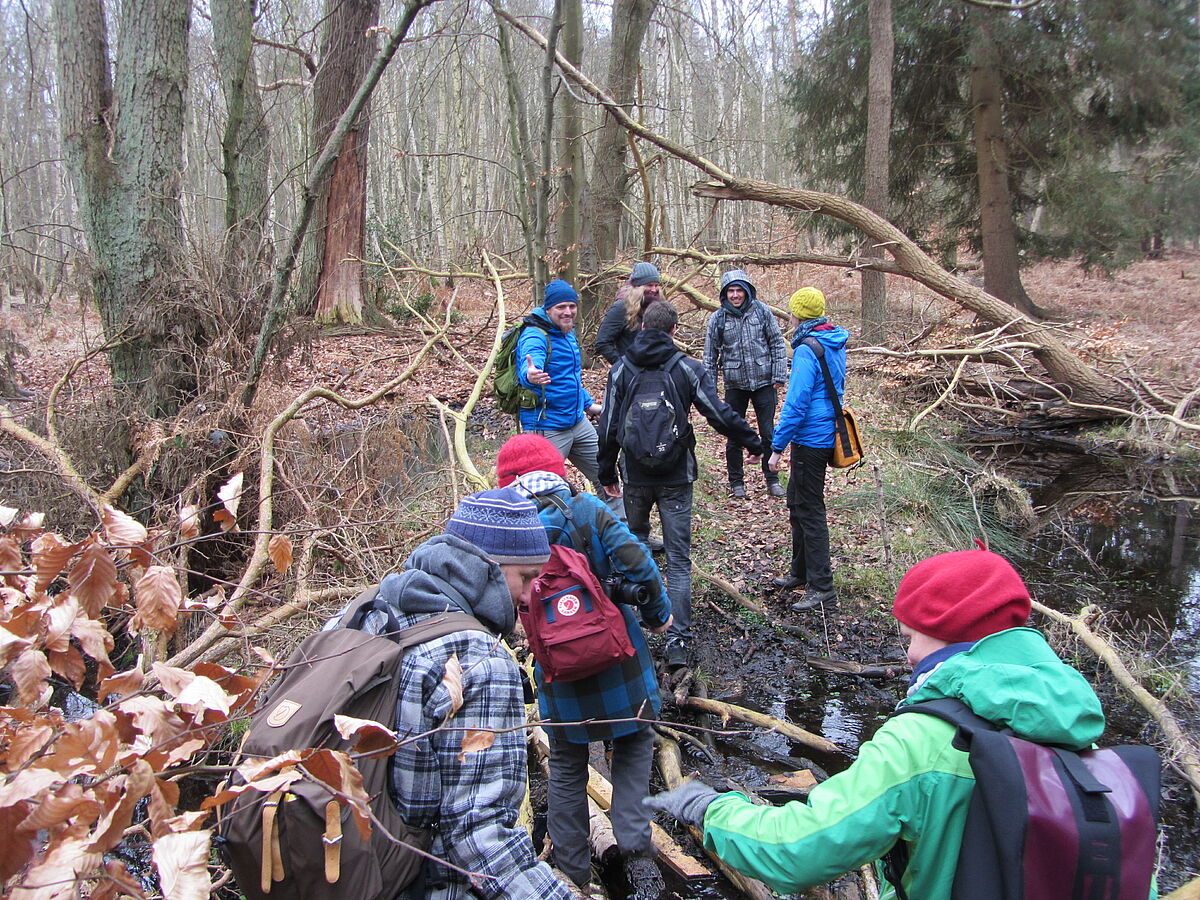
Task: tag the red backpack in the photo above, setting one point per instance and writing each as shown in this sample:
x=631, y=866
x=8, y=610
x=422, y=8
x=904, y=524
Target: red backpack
x=574, y=629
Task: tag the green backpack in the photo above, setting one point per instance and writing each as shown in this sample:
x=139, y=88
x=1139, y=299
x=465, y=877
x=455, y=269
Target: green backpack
x=511, y=395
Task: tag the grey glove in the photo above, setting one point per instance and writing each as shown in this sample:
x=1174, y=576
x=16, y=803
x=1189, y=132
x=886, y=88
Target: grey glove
x=687, y=803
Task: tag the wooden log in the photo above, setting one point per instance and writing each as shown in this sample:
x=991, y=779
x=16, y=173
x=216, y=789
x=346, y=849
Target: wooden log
x=718, y=582
x=729, y=711
x=669, y=764
x=1189, y=891
x=600, y=833
x=600, y=791
x=849, y=667
x=1184, y=754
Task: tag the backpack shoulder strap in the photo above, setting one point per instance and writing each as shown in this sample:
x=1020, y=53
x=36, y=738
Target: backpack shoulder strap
x=674, y=360
x=956, y=713
x=438, y=626
x=839, y=420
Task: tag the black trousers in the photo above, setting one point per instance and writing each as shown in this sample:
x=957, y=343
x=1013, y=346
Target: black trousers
x=806, y=515
x=764, y=401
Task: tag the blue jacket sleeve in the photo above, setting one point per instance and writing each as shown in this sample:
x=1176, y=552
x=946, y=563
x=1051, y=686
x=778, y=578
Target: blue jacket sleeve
x=534, y=343
x=799, y=395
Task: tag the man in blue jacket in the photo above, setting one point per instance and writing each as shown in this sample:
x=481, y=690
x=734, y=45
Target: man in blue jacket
x=553, y=370
x=807, y=423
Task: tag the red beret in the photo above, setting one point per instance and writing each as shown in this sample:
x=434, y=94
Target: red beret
x=526, y=453
x=962, y=596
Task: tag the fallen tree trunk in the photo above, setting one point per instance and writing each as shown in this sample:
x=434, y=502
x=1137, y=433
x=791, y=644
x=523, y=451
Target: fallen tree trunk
x=1184, y=754
x=1190, y=891
x=728, y=711
x=1077, y=379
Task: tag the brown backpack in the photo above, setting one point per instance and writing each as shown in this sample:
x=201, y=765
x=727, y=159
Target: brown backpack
x=300, y=842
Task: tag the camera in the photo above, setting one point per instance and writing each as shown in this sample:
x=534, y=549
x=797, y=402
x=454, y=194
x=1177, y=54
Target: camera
x=622, y=590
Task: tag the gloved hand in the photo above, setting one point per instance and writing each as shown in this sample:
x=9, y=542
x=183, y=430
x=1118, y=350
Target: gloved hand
x=687, y=803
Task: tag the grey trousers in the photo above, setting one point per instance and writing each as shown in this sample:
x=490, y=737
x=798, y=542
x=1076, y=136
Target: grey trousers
x=567, y=817
x=580, y=444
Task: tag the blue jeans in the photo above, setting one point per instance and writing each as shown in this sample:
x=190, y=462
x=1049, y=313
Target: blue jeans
x=675, y=509
x=806, y=515
x=580, y=444
x=764, y=400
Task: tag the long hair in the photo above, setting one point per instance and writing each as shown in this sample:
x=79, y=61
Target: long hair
x=635, y=305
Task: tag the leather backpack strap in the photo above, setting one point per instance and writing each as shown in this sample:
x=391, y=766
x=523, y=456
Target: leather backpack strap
x=839, y=417
x=438, y=626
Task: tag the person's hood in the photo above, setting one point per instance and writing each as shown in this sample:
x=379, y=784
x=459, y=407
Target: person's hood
x=651, y=348
x=539, y=313
x=447, y=572
x=832, y=337
x=1013, y=678
x=740, y=278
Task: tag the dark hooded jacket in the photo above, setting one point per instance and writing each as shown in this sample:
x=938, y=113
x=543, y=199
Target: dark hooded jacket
x=744, y=343
x=653, y=349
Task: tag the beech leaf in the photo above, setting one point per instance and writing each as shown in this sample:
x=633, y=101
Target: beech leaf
x=93, y=578
x=158, y=598
x=189, y=522
x=474, y=741
x=122, y=528
x=50, y=556
x=8, y=515
x=122, y=684
x=230, y=495
x=182, y=863
x=280, y=549
x=453, y=682
x=369, y=736
x=30, y=671
x=10, y=554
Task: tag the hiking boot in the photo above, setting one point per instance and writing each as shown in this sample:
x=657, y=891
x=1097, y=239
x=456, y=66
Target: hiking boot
x=737, y=491
x=775, y=489
x=789, y=582
x=644, y=877
x=813, y=599
x=677, y=654
x=655, y=544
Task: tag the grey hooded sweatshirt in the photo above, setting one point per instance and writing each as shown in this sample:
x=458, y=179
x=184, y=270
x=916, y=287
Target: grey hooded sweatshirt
x=744, y=344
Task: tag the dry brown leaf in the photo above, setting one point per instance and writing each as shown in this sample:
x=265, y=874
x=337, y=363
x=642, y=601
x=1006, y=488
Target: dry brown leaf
x=66, y=860
x=474, y=741
x=58, y=806
x=369, y=736
x=189, y=522
x=158, y=600
x=127, y=792
x=10, y=557
x=11, y=645
x=8, y=515
x=230, y=495
x=182, y=863
x=122, y=528
x=93, y=577
x=453, y=682
x=122, y=684
x=68, y=664
x=95, y=641
x=280, y=550
x=16, y=850
x=30, y=526
x=30, y=672
x=50, y=556
x=337, y=771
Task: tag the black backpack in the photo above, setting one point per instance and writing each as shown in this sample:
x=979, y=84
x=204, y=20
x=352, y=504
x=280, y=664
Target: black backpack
x=511, y=395
x=299, y=842
x=654, y=419
x=1046, y=823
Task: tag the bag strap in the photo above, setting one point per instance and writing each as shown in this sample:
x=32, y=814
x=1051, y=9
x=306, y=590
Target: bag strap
x=839, y=419
x=427, y=630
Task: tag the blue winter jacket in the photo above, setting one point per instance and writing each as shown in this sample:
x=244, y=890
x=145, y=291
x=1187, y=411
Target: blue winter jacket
x=564, y=401
x=807, y=416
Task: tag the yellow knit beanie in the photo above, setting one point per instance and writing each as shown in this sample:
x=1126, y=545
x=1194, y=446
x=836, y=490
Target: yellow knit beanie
x=807, y=303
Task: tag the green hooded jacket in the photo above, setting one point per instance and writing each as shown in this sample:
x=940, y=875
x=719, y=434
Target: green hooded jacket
x=909, y=782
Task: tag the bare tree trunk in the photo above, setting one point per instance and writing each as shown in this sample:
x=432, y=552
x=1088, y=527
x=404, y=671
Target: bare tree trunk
x=875, y=194
x=123, y=138
x=244, y=149
x=348, y=46
x=609, y=179
x=1001, y=264
x=571, y=149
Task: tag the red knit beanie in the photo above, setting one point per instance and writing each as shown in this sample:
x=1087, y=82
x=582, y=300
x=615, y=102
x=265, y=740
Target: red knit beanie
x=962, y=596
x=525, y=453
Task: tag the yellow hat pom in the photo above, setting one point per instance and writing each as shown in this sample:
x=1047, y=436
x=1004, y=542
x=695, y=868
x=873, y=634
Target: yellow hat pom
x=807, y=303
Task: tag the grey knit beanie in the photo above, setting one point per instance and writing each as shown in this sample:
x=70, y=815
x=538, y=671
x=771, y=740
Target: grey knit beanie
x=644, y=273
x=503, y=525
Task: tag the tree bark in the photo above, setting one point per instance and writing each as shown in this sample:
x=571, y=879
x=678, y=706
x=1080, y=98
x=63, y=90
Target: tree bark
x=1001, y=263
x=571, y=149
x=123, y=138
x=244, y=144
x=340, y=218
x=875, y=194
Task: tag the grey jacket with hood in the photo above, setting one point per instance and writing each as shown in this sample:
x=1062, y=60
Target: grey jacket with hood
x=744, y=343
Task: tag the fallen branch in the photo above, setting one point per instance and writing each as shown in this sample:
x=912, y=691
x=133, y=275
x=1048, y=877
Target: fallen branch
x=718, y=582
x=1183, y=751
x=848, y=667
x=728, y=711
x=1189, y=891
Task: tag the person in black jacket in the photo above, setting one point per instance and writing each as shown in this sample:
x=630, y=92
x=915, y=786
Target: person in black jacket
x=624, y=318
x=671, y=490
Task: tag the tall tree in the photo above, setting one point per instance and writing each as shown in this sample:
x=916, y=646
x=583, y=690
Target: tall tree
x=333, y=277
x=876, y=160
x=571, y=123
x=122, y=132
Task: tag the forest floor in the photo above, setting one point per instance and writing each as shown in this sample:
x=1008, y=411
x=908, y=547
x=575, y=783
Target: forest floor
x=1143, y=320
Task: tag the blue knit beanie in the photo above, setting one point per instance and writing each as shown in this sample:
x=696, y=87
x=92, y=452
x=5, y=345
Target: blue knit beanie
x=503, y=525
x=644, y=273
x=558, y=291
